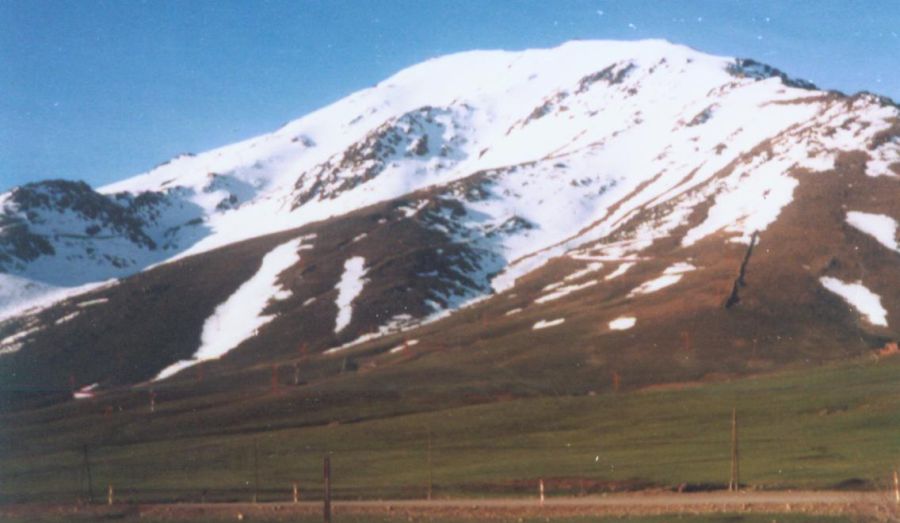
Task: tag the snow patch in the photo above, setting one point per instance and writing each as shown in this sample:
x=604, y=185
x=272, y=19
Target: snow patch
x=879, y=226
x=397, y=324
x=860, y=298
x=20, y=295
x=564, y=291
x=68, y=317
x=751, y=199
x=883, y=158
x=670, y=276
x=544, y=324
x=15, y=342
x=402, y=346
x=11, y=348
x=655, y=284
x=622, y=323
x=241, y=315
x=91, y=303
x=679, y=268
x=85, y=392
x=553, y=286
x=591, y=267
x=513, y=311
x=282, y=295
x=410, y=211
x=350, y=286
x=620, y=270
x=19, y=336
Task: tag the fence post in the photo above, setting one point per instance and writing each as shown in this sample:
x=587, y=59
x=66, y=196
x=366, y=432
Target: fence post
x=255, y=471
x=734, y=484
x=109, y=494
x=896, y=487
x=326, y=471
x=541, y=488
x=296, y=493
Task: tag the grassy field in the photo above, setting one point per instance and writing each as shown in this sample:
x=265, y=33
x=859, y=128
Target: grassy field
x=828, y=427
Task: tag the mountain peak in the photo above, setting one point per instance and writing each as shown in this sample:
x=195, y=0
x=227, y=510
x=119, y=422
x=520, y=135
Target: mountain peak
x=585, y=184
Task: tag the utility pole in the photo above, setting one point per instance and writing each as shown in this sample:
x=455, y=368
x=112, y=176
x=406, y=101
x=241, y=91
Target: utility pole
x=255, y=471
x=86, y=474
x=735, y=481
x=430, y=475
x=326, y=472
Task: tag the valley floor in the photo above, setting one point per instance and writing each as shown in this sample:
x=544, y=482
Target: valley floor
x=830, y=428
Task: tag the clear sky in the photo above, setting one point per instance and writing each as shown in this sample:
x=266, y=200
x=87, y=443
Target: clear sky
x=101, y=90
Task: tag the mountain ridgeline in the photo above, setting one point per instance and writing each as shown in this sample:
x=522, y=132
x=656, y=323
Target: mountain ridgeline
x=596, y=216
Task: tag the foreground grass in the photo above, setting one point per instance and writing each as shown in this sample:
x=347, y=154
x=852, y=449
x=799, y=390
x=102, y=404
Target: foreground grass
x=818, y=428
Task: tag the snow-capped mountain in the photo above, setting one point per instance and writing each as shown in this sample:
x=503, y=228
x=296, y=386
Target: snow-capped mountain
x=625, y=183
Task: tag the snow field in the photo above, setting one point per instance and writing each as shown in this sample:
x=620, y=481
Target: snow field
x=565, y=151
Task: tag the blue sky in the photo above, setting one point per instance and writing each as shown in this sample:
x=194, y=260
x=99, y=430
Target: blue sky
x=101, y=90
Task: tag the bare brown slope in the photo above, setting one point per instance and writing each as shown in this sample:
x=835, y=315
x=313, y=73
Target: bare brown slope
x=685, y=332
x=141, y=325
x=147, y=322
x=783, y=315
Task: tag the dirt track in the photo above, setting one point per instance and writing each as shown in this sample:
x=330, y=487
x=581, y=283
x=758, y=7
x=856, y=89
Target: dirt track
x=644, y=503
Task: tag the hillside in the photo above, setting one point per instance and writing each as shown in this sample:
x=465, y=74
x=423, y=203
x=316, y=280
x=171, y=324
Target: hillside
x=597, y=217
x=833, y=427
